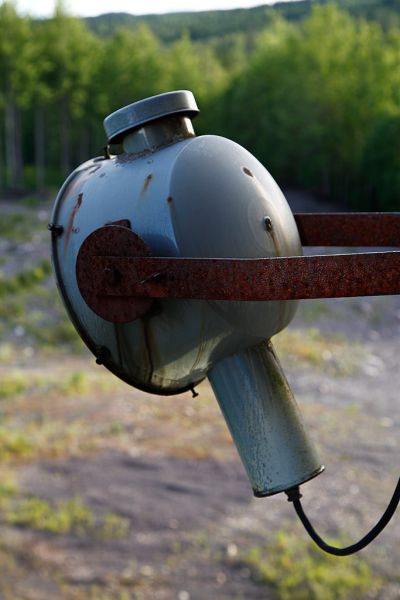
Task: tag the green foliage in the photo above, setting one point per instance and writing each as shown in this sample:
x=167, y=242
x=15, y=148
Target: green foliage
x=17, y=57
x=26, y=279
x=311, y=88
x=133, y=58
x=12, y=384
x=14, y=443
x=68, y=516
x=311, y=348
x=380, y=165
x=17, y=226
x=312, y=92
x=300, y=570
x=112, y=527
x=208, y=26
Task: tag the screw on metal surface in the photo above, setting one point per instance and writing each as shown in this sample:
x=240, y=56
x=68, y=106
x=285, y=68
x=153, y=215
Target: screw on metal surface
x=102, y=354
x=56, y=230
x=268, y=223
x=112, y=276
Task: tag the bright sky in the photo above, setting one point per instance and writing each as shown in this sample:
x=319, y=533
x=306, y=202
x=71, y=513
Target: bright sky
x=41, y=8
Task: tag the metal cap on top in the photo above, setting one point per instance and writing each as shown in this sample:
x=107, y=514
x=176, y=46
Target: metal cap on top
x=141, y=112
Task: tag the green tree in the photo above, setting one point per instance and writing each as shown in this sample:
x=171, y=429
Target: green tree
x=380, y=165
x=132, y=68
x=71, y=55
x=193, y=67
x=305, y=103
x=17, y=81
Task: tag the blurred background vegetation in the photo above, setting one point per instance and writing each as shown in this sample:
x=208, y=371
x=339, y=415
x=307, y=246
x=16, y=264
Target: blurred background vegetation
x=312, y=88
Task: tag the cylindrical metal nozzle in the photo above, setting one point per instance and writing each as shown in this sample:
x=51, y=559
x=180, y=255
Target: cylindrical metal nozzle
x=264, y=420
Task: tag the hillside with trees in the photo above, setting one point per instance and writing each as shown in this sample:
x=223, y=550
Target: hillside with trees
x=311, y=88
x=205, y=25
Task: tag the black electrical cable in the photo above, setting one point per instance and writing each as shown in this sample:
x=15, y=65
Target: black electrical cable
x=294, y=496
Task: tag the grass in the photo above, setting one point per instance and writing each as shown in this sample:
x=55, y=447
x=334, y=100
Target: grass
x=37, y=418
x=46, y=439
x=33, y=309
x=311, y=348
x=95, y=592
x=18, y=382
x=18, y=227
x=31, y=312
x=26, y=279
x=298, y=569
x=14, y=443
x=70, y=516
x=13, y=384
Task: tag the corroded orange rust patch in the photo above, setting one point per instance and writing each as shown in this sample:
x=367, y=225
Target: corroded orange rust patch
x=147, y=182
x=72, y=219
x=80, y=178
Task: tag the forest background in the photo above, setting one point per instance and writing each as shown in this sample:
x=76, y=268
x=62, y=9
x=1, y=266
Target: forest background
x=311, y=88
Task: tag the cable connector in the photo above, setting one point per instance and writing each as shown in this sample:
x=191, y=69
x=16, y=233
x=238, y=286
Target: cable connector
x=293, y=494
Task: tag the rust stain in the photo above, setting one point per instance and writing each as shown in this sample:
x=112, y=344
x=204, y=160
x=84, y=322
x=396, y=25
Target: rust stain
x=269, y=226
x=147, y=182
x=80, y=179
x=72, y=219
x=286, y=278
x=349, y=229
x=247, y=171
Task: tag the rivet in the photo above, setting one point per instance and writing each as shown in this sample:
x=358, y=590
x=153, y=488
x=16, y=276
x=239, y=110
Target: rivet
x=268, y=223
x=102, y=354
x=56, y=230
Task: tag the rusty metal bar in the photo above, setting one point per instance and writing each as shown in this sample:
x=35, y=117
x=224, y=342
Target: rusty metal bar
x=330, y=276
x=349, y=229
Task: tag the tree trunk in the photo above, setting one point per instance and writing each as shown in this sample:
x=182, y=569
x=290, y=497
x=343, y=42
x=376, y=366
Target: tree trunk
x=13, y=145
x=39, y=148
x=65, y=144
x=2, y=168
x=19, y=162
x=10, y=143
x=84, y=138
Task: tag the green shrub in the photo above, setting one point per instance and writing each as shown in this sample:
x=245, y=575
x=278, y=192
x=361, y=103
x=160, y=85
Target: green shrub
x=298, y=569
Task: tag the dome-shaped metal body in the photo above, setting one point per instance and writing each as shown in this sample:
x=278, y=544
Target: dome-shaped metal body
x=204, y=197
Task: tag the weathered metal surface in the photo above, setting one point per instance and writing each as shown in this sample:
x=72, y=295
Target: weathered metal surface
x=293, y=278
x=132, y=116
x=114, y=239
x=284, y=278
x=349, y=229
x=264, y=420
